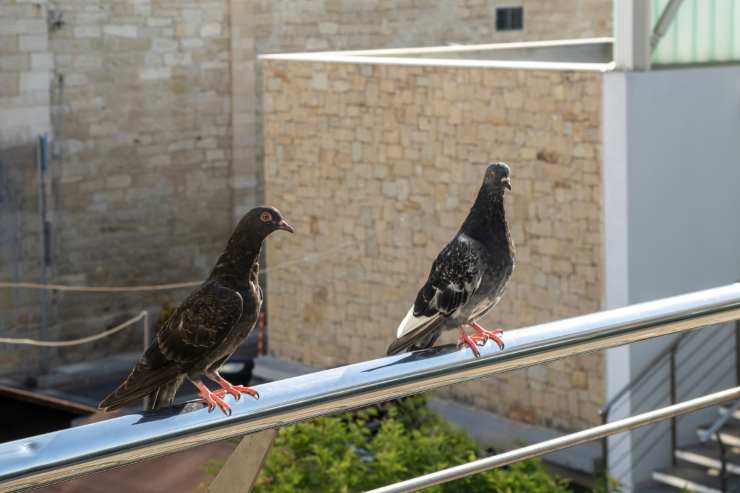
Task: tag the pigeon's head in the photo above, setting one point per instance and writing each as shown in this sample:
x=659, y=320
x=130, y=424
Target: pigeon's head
x=498, y=177
x=263, y=221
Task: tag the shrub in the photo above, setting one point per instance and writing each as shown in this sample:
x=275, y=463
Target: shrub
x=377, y=446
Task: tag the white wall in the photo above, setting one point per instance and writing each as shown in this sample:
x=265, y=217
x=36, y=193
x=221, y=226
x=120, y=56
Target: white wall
x=680, y=185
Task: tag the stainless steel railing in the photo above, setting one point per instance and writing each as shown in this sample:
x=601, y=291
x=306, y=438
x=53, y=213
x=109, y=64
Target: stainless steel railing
x=47, y=458
x=542, y=448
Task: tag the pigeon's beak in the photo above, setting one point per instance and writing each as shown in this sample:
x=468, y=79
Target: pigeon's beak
x=283, y=224
x=507, y=182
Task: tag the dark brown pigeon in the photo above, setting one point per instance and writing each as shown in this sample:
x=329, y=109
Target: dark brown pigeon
x=468, y=277
x=208, y=326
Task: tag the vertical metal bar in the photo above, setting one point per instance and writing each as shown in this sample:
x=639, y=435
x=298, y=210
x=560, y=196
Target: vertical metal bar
x=723, y=459
x=42, y=159
x=674, y=432
x=605, y=452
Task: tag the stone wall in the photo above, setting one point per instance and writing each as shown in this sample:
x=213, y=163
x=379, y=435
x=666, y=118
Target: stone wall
x=139, y=192
x=377, y=165
x=277, y=26
x=154, y=110
x=25, y=70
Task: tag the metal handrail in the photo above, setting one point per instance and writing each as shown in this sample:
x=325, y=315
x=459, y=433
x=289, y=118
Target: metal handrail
x=719, y=423
x=713, y=430
x=555, y=444
x=43, y=459
x=656, y=361
x=670, y=352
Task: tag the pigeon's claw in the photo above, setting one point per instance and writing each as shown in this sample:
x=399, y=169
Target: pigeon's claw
x=483, y=335
x=228, y=388
x=464, y=338
x=212, y=399
x=225, y=408
x=237, y=391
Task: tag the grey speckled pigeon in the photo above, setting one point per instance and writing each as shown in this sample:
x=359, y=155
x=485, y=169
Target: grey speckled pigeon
x=468, y=277
x=208, y=326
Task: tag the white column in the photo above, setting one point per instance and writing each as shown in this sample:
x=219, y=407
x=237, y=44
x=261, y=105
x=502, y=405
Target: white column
x=632, y=28
x=616, y=266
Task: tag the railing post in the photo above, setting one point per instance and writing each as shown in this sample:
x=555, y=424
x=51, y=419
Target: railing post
x=605, y=452
x=674, y=432
x=723, y=460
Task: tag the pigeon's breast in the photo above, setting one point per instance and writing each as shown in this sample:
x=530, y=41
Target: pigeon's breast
x=490, y=291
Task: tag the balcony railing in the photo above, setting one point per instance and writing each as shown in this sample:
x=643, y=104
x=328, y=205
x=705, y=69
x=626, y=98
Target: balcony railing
x=44, y=459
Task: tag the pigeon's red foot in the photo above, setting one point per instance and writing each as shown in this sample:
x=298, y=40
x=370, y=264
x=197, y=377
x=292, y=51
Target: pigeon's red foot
x=212, y=399
x=483, y=335
x=228, y=388
x=237, y=391
x=462, y=337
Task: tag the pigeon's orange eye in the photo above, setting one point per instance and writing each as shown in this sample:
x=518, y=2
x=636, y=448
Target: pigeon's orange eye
x=265, y=217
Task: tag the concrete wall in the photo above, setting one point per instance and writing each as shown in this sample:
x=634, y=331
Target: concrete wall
x=681, y=167
x=377, y=166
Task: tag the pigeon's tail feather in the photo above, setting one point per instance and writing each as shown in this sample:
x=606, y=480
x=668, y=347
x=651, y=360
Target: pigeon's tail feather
x=421, y=337
x=412, y=322
x=150, y=373
x=164, y=396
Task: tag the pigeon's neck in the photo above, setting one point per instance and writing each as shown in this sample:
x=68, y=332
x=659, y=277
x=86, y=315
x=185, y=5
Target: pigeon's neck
x=487, y=220
x=237, y=261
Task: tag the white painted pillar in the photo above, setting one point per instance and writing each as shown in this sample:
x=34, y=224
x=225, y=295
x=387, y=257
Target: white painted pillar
x=632, y=29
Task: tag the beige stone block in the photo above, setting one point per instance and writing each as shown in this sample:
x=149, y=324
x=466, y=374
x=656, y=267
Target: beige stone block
x=121, y=31
x=33, y=42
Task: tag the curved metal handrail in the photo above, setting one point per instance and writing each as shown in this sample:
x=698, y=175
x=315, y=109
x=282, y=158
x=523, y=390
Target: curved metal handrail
x=648, y=370
x=43, y=459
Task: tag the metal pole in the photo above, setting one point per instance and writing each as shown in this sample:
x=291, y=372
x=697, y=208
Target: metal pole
x=555, y=444
x=43, y=165
x=35, y=461
x=605, y=452
x=674, y=433
x=664, y=22
x=723, y=459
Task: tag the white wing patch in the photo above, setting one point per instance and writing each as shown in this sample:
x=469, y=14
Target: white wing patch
x=411, y=323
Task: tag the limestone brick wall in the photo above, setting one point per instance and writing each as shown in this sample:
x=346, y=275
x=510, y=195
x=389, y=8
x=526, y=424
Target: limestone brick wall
x=25, y=69
x=139, y=184
x=377, y=166
x=278, y=26
x=154, y=108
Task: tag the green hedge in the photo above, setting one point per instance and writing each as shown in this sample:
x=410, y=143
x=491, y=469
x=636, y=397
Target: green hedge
x=382, y=445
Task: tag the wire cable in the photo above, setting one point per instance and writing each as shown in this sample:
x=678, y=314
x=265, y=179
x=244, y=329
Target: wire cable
x=75, y=342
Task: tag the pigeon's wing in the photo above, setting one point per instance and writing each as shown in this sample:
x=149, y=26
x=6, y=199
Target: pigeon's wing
x=455, y=275
x=195, y=328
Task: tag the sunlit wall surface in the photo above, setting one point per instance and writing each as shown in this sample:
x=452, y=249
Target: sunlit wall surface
x=703, y=31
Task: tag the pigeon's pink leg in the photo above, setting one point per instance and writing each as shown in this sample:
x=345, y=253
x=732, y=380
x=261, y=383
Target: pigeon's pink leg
x=226, y=387
x=465, y=338
x=211, y=399
x=483, y=334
